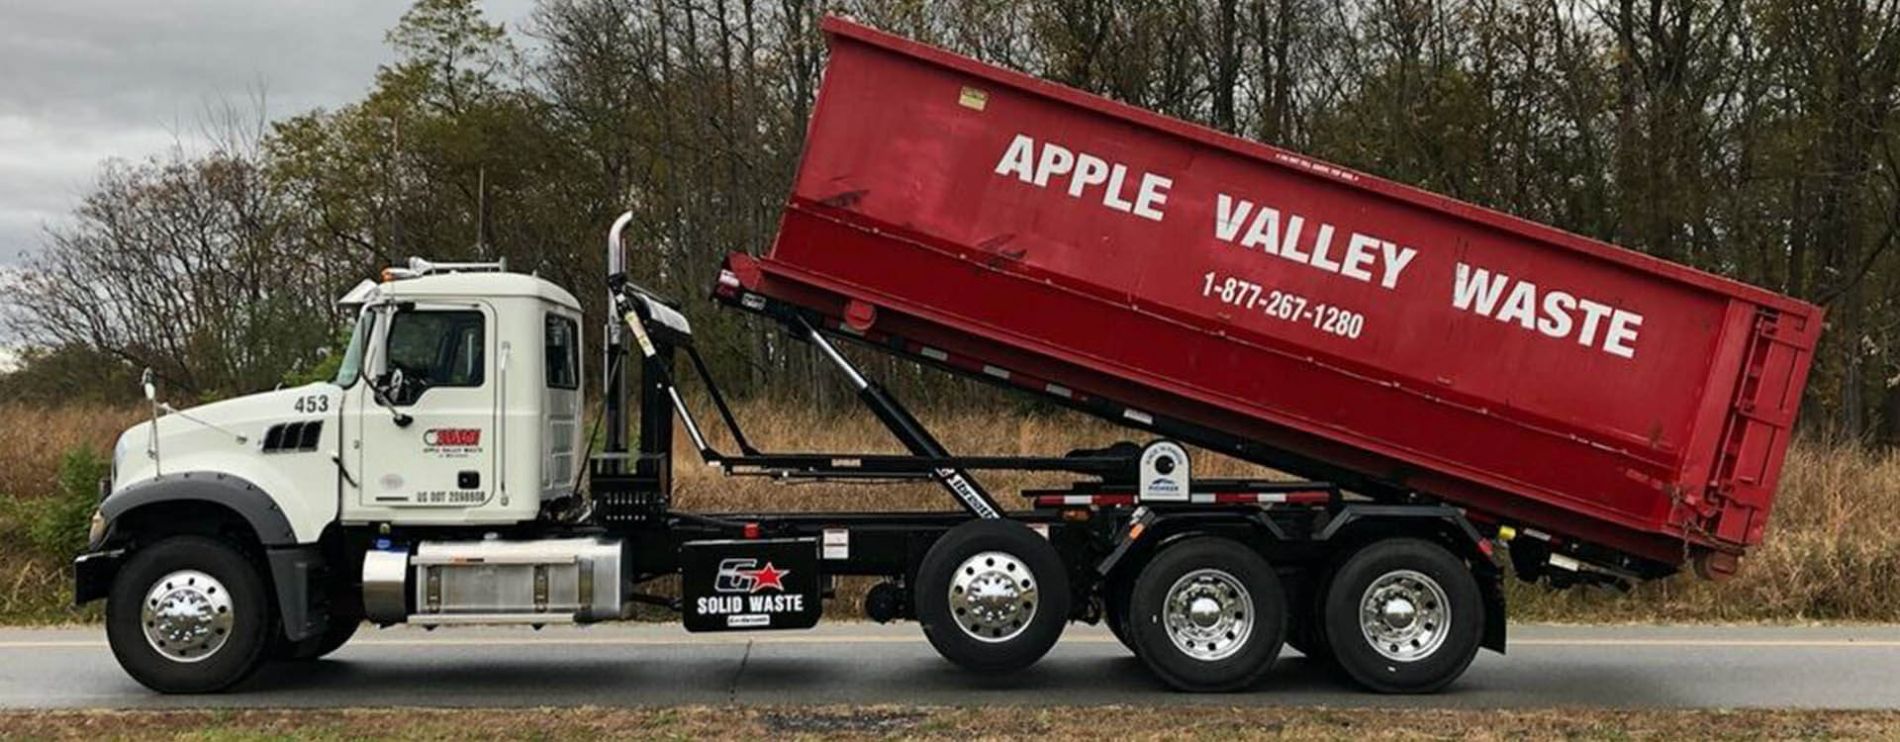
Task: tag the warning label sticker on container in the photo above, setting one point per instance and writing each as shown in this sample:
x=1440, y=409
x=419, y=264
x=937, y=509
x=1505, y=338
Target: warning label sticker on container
x=973, y=98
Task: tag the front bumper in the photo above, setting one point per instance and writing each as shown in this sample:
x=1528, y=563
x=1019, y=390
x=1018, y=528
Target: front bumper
x=93, y=573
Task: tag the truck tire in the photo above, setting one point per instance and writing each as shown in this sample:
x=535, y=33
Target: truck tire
x=1404, y=615
x=992, y=596
x=1208, y=615
x=189, y=614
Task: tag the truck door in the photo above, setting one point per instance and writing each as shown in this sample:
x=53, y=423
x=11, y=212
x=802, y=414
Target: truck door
x=561, y=404
x=436, y=364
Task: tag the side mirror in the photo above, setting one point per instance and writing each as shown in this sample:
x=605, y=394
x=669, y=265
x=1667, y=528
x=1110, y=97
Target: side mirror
x=392, y=385
x=383, y=389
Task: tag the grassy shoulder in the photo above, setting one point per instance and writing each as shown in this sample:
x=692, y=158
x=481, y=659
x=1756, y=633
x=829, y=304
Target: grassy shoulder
x=994, y=722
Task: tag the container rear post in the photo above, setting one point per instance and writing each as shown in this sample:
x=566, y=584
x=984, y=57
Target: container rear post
x=909, y=431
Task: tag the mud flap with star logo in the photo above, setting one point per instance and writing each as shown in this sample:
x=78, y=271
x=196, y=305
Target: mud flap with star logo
x=742, y=585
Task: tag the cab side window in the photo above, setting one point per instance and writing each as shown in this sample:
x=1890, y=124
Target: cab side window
x=564, y=353
x=437, y=349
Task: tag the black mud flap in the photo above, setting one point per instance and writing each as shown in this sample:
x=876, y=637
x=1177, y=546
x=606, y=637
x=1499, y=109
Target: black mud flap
x=751, y=585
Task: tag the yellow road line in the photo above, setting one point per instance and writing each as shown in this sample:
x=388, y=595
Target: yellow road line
x=73, y=644
x=739, y=640
x=1810, y=643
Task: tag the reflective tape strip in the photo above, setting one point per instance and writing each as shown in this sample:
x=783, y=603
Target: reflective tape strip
x=1200, y=498
x=1056, y=501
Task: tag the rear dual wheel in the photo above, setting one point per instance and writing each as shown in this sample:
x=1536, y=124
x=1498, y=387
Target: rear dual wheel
x=1403, y=616
x=1207, y=614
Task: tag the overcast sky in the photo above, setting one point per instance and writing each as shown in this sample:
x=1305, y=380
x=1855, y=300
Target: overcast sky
x=85, y=80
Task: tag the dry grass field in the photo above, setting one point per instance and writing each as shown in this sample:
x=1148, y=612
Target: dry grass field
x=32, y=439
x=1832, y=552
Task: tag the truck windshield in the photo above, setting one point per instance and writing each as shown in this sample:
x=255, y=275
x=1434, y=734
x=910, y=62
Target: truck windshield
x=352, y=368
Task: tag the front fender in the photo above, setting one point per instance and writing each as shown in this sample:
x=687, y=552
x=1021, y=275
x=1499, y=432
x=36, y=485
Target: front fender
x=254, y=505
x=291, y=567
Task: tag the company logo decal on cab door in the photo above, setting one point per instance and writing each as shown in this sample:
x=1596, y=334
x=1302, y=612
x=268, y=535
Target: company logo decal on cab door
x=452, y=440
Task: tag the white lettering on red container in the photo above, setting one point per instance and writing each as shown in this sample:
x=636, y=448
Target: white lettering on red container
x=1088, y=176
x=1272, y=231
x=1362, y=257
x=1557, y=314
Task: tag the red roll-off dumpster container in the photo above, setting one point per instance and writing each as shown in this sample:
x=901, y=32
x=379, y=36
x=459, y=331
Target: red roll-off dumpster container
x=1334, y=321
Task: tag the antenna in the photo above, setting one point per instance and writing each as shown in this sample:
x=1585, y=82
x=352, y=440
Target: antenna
x=481, y=210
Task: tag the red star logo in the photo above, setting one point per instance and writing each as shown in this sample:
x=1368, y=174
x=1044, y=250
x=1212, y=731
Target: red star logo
x=769, y=576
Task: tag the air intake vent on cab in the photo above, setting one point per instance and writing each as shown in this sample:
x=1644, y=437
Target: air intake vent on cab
x=297, y=436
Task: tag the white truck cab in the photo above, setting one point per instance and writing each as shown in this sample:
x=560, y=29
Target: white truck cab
x=476, y=419
x=457, y=406
x=458, y=403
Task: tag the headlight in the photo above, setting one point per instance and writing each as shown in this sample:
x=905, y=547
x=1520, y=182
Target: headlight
x=97, y=532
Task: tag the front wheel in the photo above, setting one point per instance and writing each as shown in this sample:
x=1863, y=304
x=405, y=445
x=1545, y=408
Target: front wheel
x=1404, y=616
x=992, y=595
x=1208, y=615
x=189, y=614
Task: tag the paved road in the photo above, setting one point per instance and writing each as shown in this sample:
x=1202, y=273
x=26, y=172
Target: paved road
x=1846, y=667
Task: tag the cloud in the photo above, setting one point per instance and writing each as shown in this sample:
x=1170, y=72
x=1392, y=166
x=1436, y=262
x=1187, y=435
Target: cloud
x=87, y=80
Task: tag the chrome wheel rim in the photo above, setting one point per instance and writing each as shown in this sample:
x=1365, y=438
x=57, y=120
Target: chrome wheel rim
x=1404, y=615
x=993, y=596
x=1208, y=614
x=187, y=616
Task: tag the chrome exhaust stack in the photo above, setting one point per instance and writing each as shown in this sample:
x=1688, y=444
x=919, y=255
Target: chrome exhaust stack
x=614, y=375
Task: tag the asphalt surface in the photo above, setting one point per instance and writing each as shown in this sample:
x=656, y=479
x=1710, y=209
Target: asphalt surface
x=1628, y=666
